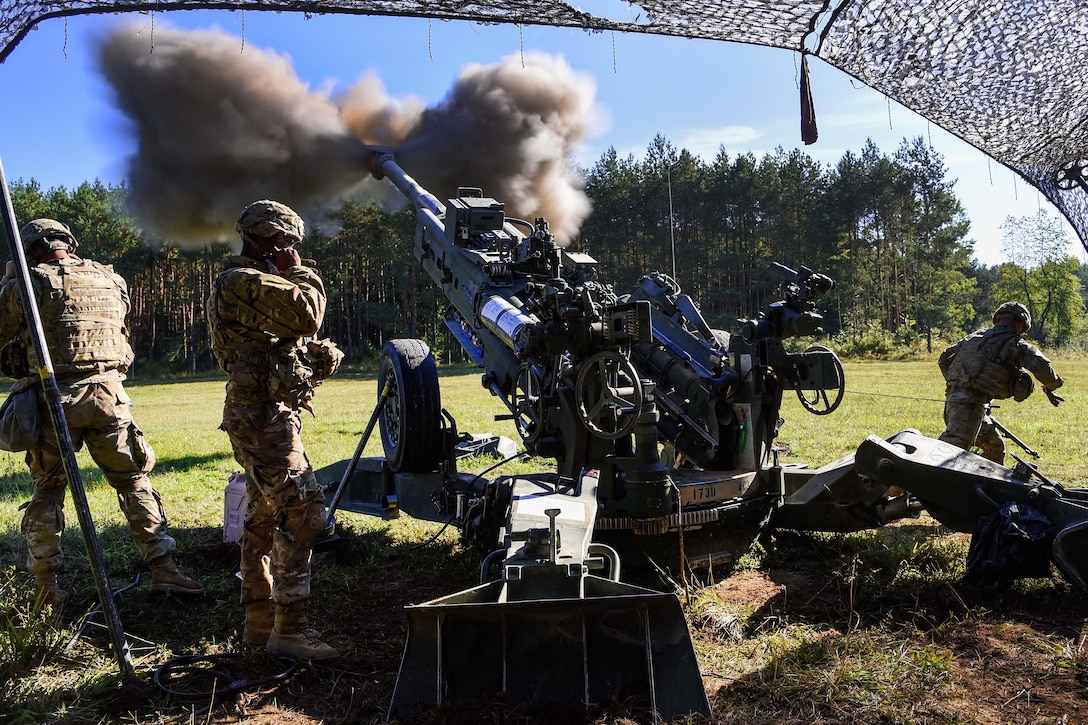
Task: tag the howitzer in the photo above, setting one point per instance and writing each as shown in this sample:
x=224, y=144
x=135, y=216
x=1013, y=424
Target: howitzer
x=661, y=429
x=600, y=383
x=596, y=381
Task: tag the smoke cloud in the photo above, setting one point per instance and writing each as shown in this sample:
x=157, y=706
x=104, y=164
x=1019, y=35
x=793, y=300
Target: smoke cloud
x=512, y=130
x=218, y=127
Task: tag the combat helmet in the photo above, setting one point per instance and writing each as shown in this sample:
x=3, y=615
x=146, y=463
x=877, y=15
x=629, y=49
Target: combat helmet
x=267, y=218
x=1013, y=309
x=50, y=232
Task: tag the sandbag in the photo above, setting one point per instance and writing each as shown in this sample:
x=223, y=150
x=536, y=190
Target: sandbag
x=20, y=420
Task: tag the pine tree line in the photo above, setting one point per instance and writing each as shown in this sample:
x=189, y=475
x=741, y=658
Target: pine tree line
x=888, y=229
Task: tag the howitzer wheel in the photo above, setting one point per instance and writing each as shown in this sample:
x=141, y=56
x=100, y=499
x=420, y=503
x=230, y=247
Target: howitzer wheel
x=608, y=395
x=820, y=403
x=411, y=422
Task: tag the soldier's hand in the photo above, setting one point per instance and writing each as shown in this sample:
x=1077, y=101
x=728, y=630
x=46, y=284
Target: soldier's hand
x=284, y=259
x=1055, y=399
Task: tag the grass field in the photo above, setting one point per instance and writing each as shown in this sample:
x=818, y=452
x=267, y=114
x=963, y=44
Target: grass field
x=873, y=627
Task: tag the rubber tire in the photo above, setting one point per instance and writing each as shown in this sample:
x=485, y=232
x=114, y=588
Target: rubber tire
x=411, y=423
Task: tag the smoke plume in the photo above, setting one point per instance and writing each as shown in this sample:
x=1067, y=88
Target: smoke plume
x=218, y=127
x=511, y=130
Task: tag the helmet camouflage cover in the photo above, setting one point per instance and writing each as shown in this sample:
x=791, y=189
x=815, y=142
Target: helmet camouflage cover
x=54, y=234
x=1016, y=310
x=267, y=218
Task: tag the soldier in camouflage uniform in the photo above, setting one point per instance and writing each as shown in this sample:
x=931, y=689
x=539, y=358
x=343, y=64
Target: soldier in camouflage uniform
x=82, y=305
x=990, y=364
x=263, y=303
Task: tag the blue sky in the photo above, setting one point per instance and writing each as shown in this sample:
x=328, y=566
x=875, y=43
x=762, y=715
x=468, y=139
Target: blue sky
x=60, y=126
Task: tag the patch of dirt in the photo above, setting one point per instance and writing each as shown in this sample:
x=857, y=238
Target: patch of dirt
x=1010, y=675
x=1015, y=656
x=749, y=591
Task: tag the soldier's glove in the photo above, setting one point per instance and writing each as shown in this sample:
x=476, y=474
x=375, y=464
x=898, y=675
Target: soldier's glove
x=1055, y=399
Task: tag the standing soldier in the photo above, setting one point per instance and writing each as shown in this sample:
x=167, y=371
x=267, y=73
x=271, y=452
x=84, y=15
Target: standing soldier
x=263, y=304
x=82, y=305
x=991, y=364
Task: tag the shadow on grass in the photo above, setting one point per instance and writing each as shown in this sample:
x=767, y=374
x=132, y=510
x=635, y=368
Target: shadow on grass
x=200, y=378
x=859, y=630
x=910, y=574
x=15, y=483
x=359, y=588
x=189, y=462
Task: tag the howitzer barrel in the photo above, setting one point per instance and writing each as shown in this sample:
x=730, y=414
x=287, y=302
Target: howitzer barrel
x=457, y=245
x=429, y=211
x=595, y=381
x=384, y=165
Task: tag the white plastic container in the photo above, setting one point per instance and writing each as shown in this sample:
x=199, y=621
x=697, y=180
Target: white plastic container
x=235, y=500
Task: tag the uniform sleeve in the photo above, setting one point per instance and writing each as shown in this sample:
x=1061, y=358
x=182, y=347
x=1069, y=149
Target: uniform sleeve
x=1038, y=364
x=289, y=306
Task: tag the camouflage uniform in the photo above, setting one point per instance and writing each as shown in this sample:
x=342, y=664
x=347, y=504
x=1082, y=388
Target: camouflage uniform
x=82, y=306
x=258, y=318
x=988, y=364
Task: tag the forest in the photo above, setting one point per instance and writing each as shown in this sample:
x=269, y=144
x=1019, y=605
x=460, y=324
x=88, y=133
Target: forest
x=887, y=227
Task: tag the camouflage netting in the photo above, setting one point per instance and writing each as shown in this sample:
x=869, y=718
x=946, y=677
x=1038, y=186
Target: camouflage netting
x=1006, y=76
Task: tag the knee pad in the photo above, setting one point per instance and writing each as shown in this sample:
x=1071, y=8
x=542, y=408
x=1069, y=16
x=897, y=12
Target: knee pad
x=306, y=529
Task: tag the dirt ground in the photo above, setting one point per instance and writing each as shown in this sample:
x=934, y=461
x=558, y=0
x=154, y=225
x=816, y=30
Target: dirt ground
x=1003, y=656
x=1015, y=655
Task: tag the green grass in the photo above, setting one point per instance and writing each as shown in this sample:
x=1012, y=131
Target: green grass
x=883, y=398
x=181, y=421
x=30, y=631
x=867, y=627
x=194, y=462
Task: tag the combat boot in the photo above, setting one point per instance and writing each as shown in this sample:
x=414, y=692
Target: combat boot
x=292, y=637
x=48, y=590
x=166, y=578
x=260, y=619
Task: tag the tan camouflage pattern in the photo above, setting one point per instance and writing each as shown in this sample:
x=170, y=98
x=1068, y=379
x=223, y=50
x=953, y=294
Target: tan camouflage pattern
x=98, y=414
x=988, y=362
x=82, y=305
x=286, y=512
x=1016, y=311
x=967, y=425
x=986, y=365
x=258, y=317
x=267, y=218
x=323, y=357
x=55, y=235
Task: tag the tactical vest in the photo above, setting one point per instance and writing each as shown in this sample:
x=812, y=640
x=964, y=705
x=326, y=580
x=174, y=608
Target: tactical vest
x=82, y=309
x=987, y=361
x=241, y=350
x=263, y=367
